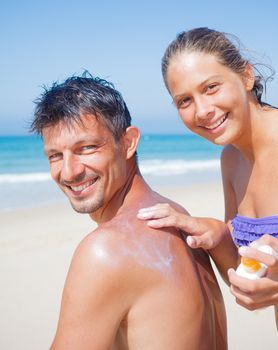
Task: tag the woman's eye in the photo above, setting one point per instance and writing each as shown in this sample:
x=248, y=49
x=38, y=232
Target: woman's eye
x=212, y=88
x=183, y=103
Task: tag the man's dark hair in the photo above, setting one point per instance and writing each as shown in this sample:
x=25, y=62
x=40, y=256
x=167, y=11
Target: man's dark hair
x=79, y=95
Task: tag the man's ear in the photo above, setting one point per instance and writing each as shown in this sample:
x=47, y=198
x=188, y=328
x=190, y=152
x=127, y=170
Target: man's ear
x=130, y=141
x=249, y=77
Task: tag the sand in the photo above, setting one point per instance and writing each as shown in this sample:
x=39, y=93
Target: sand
x=36, y=245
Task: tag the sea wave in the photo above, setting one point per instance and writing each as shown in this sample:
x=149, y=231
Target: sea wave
x=26, y=177
x=156, y=167
x=160, y=167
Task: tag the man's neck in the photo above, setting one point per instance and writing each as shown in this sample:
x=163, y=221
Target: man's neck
x=116, y=203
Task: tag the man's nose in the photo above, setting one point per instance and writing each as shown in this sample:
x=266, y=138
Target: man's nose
x=204, y=109
x=73, y=168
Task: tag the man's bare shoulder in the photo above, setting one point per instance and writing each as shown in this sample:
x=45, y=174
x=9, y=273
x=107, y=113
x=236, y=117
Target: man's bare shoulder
x=125, y=242
x=133, y=270
x=130, y=246
x=95, y=259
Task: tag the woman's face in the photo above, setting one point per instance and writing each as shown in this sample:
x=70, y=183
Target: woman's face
x=212, y=100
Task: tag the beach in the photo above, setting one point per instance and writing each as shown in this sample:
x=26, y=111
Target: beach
x=36, y=246
x=40, y=231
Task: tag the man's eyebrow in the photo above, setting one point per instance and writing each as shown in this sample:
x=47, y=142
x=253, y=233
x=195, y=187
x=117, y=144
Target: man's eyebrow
x=95, y=140
x=49, y=150
x=88, y=139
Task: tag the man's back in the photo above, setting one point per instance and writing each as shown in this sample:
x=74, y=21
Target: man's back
x=148, y=290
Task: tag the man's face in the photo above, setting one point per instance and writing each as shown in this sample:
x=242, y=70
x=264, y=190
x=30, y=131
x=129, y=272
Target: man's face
x=86, y=162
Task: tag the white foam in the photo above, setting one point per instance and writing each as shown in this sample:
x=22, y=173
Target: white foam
x=177, y=167
x=21, y=178
x=157, y=167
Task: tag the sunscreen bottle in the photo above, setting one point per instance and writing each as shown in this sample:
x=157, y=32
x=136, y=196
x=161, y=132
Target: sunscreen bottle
x=253, y=269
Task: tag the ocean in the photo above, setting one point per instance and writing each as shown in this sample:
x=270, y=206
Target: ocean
x=169, y=160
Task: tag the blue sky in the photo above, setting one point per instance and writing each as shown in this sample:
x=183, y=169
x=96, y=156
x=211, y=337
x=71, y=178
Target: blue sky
x=122, y=41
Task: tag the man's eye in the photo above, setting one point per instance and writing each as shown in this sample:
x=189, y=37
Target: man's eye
x=54, y=156
x=88, y=148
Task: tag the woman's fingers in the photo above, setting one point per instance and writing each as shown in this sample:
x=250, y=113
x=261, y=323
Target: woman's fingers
x=266, y=240
x=204, y=241
x=253, y=294
x=255, y=254
x=163, y=222
x=163, y=215
x=156, y=212
x=207, y=232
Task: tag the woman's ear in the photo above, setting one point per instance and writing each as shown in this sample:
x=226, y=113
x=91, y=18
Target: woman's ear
x=130, y=141
x=249, y=77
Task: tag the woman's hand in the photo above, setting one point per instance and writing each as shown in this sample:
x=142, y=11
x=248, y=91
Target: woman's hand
x=203, y=233
x=261, y=292
x=207, y=233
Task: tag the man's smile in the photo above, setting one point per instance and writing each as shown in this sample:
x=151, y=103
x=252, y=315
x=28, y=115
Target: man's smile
x=81, y=188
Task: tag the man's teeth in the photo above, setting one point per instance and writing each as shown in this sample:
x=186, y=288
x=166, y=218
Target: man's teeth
x=82, y=187
x=216, y=124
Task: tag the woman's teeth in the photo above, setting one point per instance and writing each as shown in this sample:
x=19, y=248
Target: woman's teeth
x=216, y=124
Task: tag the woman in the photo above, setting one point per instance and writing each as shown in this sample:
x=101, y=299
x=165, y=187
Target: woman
x=218, y=96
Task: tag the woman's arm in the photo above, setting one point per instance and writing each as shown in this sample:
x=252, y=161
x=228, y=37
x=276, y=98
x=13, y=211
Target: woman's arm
x=261, y=292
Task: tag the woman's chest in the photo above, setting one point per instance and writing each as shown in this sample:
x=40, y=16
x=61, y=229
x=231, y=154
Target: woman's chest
x=256, y=188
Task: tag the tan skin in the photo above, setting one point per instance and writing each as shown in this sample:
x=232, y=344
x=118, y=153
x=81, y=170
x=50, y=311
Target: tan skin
x=126, y=280
x=218, y=105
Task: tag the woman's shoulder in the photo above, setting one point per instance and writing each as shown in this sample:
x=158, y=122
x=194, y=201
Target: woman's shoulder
x=229, y=151
x=230, y=155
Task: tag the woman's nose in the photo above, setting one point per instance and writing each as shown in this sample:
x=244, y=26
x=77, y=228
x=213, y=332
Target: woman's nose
x=204, y=109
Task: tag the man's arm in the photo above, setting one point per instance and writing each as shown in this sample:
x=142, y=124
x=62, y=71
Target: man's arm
x=93, y=302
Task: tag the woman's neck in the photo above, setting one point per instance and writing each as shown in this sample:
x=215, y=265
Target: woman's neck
x=257, y=132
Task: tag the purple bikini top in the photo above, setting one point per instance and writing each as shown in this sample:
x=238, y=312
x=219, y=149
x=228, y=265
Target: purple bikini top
x=247, y=230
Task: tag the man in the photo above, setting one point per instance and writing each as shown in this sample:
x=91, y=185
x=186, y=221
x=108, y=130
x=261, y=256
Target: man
x=128, y=286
